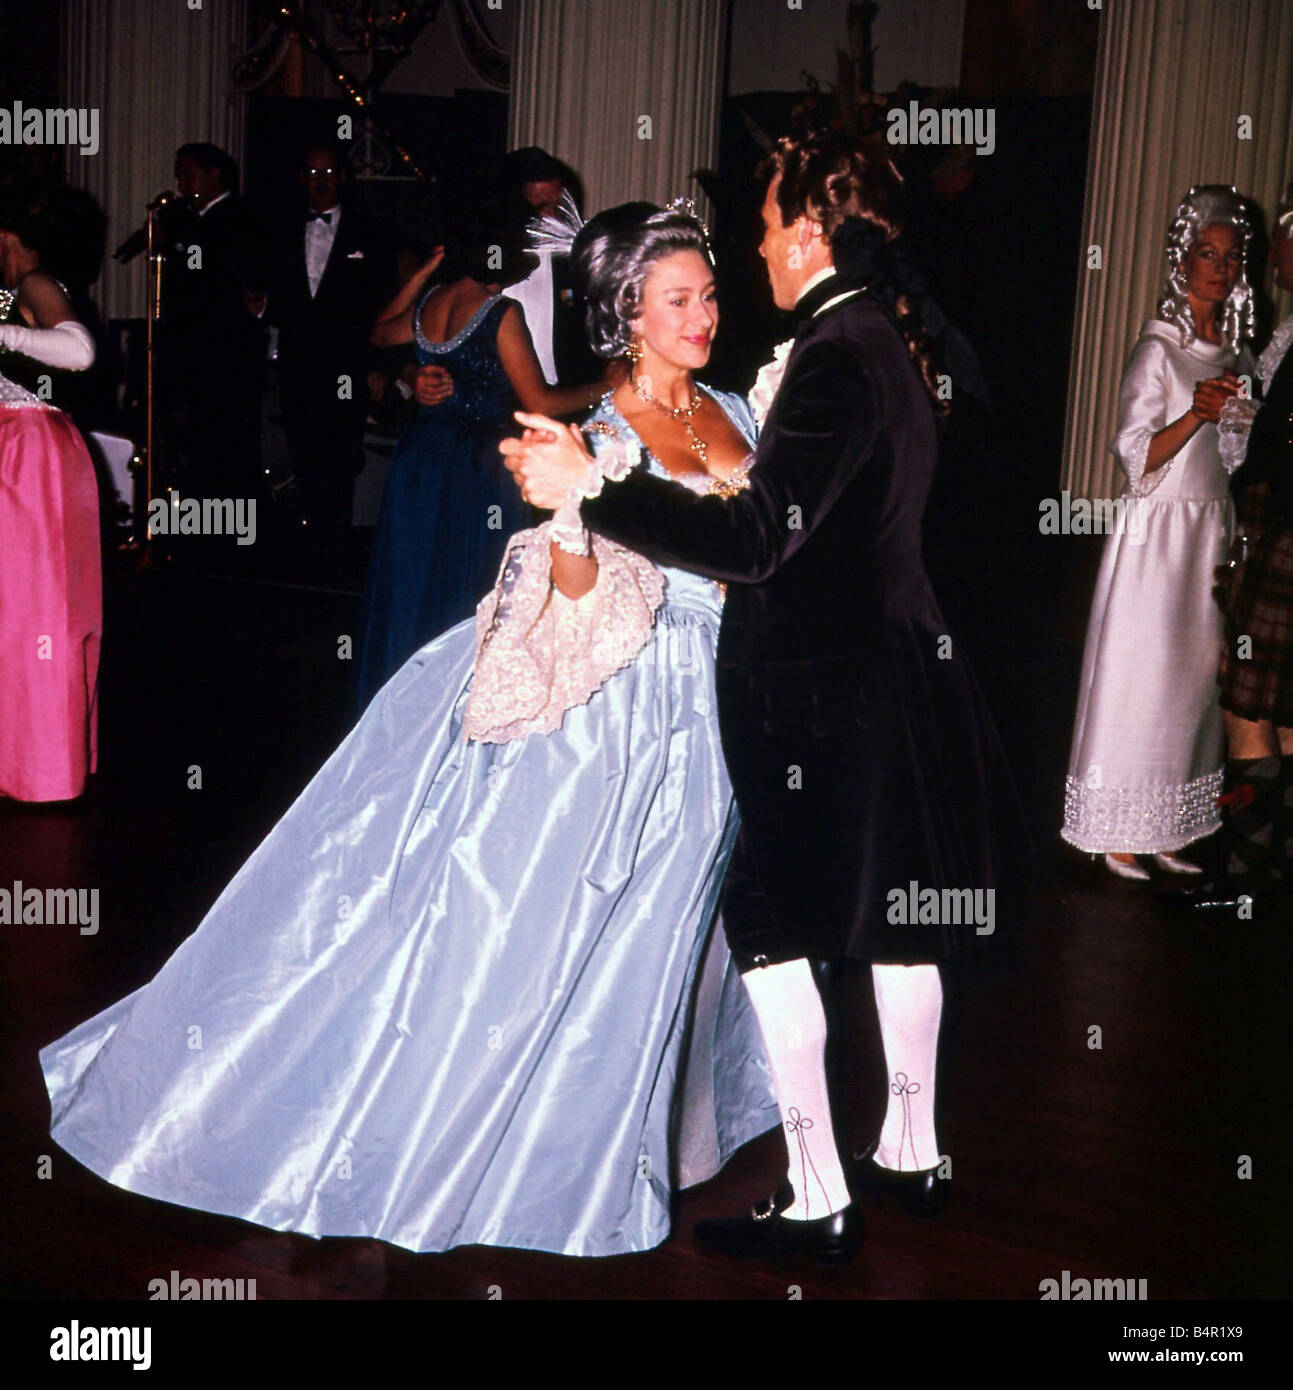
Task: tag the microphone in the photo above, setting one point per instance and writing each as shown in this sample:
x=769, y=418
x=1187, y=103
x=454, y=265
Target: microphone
x=137, y=241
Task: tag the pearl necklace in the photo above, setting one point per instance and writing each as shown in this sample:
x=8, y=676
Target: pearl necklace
x=682, y=414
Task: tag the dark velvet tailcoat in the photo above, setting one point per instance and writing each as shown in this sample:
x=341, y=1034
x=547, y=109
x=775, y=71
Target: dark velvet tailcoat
x=862, y=754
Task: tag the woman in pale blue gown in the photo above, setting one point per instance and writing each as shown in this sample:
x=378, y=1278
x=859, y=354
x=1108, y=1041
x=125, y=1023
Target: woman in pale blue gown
x=468, y=990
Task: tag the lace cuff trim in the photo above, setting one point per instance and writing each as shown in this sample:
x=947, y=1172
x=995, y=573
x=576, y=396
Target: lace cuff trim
x=1237, y=416
x=1133, y=450
x=539, y=653
x=1268, y=363
x=615, y=460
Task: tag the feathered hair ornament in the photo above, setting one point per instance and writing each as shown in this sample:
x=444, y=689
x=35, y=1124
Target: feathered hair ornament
x=555, y=231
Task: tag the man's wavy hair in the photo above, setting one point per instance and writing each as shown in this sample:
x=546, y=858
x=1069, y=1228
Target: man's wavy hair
x=854, y=190
x=828, y=176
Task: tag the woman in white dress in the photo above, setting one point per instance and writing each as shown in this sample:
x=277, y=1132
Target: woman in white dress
x=1147, y=760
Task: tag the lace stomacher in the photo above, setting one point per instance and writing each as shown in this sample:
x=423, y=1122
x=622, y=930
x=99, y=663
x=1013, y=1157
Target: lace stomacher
x=539, y=653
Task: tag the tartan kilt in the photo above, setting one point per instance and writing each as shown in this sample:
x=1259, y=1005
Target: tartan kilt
x=1260, y=607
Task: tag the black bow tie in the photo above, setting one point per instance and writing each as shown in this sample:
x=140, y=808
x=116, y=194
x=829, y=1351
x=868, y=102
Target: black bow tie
x=319, y=217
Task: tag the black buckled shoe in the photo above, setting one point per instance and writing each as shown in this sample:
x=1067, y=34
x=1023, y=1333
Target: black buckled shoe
x=767, y=1235
x=1252, y=882
x=922, y=1191
x=1236, y=897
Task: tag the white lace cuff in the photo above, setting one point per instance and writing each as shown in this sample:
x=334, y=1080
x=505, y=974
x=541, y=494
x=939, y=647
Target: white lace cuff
x=539, y=653
x=1132, y=450
x=568, y=531
x=1237, y=416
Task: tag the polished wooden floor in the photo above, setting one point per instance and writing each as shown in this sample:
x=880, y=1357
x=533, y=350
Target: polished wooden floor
x=1119, y=1162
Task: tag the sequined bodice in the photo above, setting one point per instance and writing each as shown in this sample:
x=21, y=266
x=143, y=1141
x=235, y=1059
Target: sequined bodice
x=481, y=390
x=13, y=392
x=682, y=587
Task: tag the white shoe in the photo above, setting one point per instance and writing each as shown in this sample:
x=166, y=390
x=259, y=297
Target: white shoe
x=1116, y=866
x=1173, y=865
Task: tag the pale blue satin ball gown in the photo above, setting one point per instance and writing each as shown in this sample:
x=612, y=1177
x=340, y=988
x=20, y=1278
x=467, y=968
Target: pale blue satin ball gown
x=463, y=992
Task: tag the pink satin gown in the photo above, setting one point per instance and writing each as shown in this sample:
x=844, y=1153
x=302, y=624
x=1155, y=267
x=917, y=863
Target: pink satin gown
x=51, y=602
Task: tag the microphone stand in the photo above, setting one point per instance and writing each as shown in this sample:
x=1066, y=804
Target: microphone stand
x=148, y=461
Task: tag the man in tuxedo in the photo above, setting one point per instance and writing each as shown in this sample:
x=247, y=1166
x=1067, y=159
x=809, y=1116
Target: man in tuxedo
x=334, y=270
x=863, y=759
x=211, y=347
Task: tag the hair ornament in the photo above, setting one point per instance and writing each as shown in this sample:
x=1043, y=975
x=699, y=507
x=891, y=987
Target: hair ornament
x=687, y=207
x=555, y=231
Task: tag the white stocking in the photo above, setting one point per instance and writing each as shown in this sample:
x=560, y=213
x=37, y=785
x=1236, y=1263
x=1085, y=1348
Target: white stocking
x=909, y=1001
x=793, y=1025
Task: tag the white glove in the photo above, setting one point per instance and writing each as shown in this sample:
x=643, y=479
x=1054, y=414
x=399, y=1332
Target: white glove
x=67, y=344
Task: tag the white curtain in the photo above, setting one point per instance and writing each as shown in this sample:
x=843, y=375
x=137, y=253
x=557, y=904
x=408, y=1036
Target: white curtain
x=1173, y=79
x=591, y=80
x=159, y=76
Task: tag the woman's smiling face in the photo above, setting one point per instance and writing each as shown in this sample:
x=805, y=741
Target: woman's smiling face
x=679, y=313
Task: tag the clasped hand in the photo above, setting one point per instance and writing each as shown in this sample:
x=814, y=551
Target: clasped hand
x=1211, y=395
x=547, y=461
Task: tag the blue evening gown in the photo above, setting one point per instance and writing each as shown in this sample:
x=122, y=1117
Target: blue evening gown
x=448, y=507
x=463, y=992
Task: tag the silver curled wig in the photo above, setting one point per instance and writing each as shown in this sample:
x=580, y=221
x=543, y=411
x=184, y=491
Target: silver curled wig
x=611, y=267
x=1206, y=205
x=1284, y=213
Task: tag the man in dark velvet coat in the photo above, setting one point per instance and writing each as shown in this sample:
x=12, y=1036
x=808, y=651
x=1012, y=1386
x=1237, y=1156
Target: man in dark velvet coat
x=863, y=759
x=334, y=272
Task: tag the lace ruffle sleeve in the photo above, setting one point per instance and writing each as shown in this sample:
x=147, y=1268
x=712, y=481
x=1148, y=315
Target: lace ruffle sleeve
x=1233, y=429
x=539, y=653
x=1142, y=412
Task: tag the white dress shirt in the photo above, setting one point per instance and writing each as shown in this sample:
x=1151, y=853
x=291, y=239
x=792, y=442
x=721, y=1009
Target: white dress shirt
x=534, y=295
x=319, y=236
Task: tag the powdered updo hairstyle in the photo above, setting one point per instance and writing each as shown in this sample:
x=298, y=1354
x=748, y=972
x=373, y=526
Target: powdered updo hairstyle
x=611, y=265
x=1207, y=205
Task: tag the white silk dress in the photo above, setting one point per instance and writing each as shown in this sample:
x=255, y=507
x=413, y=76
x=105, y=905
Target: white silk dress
x=1146, y=764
